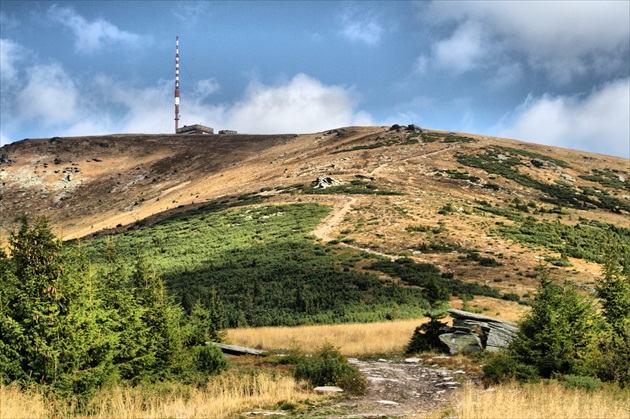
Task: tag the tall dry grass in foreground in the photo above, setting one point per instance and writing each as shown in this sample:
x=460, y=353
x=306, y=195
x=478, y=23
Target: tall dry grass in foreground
x=16, y=403
x=536, y=401
x=356, y=339
x=224, y=395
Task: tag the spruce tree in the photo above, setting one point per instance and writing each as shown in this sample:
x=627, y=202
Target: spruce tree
x=51, y=322
x=426, y=336
x=613, y=288
x=559, y=334
x=161, y=340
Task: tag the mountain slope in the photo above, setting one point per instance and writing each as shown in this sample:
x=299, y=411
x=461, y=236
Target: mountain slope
x=461, y=201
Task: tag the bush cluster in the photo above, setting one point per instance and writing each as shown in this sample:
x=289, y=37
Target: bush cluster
x=567, y=334
x=328, y=367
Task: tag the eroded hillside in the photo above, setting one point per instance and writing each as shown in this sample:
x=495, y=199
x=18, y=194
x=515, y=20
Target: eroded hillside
x=484, y=209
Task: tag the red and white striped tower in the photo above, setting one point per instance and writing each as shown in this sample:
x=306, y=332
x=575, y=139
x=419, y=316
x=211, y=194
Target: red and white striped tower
x=176, y=83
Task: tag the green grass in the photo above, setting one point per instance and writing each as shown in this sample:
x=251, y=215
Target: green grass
x=266, y=267
x=609, y=179
x=560, y=194
x=586, y=240
x=397, y=141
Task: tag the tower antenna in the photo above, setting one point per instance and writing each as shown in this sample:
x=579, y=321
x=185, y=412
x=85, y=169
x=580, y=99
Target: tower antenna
x=176, y=84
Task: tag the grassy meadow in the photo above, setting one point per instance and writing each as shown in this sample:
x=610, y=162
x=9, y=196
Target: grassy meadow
x=544, y=400
x=224, y=396
x=353, y=340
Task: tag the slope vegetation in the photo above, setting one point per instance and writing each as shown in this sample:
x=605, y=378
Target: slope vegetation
x=482, y=210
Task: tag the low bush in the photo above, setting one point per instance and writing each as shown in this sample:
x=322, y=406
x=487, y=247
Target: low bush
x=581, y=382
x=501, y=368
x=328, y=367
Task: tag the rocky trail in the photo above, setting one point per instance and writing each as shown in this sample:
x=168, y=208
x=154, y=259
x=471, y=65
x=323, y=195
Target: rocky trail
x=397, y=388
x=402, y=388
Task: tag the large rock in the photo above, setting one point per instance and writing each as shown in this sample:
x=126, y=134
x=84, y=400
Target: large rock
x=326, y=182
x=460, y=341
x=492, y=333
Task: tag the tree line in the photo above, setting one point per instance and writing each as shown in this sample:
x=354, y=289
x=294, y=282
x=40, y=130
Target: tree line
x=72, y=326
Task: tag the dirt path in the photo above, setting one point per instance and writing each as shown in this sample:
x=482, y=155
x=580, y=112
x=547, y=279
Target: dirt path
x=398, y=388
x=324, y=230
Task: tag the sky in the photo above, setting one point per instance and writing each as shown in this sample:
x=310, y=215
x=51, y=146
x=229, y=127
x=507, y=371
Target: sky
x=555, y=73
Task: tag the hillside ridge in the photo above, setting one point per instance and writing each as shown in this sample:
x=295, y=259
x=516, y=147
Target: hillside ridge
x=435, y=196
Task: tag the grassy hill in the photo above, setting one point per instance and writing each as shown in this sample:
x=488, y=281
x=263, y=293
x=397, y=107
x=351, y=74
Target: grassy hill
x=477, y=211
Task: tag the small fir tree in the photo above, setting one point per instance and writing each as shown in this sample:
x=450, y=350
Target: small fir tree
x=559, y=334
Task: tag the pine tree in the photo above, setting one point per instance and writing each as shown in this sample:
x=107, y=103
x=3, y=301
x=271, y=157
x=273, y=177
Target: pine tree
x=559, y=334
x=613, y=288
x=426, y=336
x=161, y=340
x=51, y=323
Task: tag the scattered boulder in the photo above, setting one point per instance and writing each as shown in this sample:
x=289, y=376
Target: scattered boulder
x=475, y=332
x=328, y=389
x=568, y=177
x=408, y=128
x=461, y=341
x=326, y=182
x=542, y=164
x=54, y=141
x=342, y=132
x=4, y=159
x=233, y=350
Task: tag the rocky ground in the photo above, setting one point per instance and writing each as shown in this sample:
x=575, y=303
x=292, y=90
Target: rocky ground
x=397, y=388
x=404, y=388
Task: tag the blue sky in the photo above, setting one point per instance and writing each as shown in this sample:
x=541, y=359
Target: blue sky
x=556, y=73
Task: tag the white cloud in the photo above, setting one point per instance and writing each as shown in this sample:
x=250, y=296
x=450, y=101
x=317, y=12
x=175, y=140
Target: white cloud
x=92, y=36
x=189, y=12
x=465, y=50
x=563, y=38
x=49, y=96
x=10, y=54
x=598, y=122
x=358, y=27
x=301, y=105
x=206, y=87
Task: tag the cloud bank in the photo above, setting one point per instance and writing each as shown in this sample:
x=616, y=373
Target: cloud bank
x=597, y=122
x=92, y=36
x=564, y=40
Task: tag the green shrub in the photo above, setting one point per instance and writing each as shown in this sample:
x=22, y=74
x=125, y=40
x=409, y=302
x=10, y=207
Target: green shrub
x=209, y=359
x=426, y=338
x=581, y=382
x=511, y=297
x=328, y=367
x=502, y=367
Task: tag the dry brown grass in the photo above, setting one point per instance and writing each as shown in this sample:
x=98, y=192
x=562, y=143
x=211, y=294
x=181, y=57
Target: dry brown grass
x=16, y=403
x=224, y=395
x=536, y=401
x=352, y=339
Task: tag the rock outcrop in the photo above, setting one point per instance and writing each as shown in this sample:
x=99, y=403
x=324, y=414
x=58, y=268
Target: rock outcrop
x=326, y=182
x=475, y=332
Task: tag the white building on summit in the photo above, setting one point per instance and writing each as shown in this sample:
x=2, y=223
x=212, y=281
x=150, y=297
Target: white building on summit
x=195, y=129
